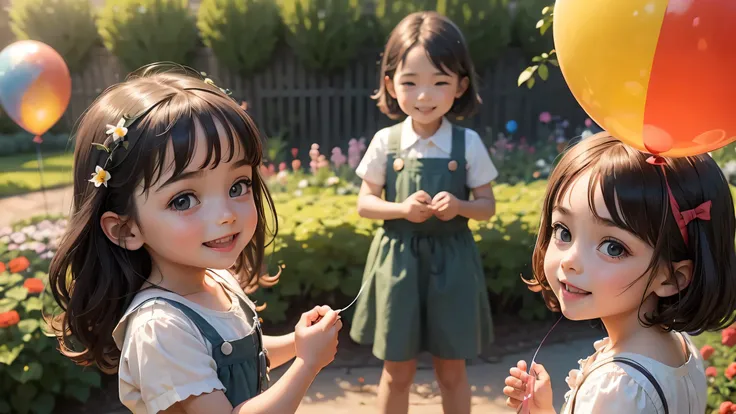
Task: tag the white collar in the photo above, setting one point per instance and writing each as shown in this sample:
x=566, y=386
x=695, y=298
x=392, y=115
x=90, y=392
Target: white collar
x=442, y=138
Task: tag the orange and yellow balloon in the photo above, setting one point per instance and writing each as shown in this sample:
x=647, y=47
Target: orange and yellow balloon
x=35, y=85
x=657, y=74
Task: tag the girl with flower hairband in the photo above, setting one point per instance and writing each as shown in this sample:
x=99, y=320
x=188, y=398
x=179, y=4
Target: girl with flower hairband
x=646, y=245
x=163, y=239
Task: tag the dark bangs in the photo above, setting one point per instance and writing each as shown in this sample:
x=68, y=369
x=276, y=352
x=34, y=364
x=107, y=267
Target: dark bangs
x=177, y=121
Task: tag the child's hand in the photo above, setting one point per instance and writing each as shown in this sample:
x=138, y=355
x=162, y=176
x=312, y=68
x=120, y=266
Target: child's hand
x=541, y=401
x=445, y=206
x=316, y=342
x=416, y=207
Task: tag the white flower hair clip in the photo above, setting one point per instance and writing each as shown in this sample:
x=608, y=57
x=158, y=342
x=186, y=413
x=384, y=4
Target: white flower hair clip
x=117, y=137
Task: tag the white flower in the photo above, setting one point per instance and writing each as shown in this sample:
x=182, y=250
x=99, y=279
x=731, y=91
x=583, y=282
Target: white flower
x=18, y=237
x=303, y=184
x=100, y=177
x=4, y=231
x=332, y=181
x=298, y=193
x=118, y=131
x=541, y=163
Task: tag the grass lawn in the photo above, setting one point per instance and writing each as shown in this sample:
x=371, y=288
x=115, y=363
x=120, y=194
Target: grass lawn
x=19, y=173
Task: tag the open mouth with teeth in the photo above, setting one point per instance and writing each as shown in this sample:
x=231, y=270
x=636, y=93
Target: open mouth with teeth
x=574, y=289
x=224, y=243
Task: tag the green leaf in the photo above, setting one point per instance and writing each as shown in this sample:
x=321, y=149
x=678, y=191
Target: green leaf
x=100, y=147
x=8, y=354
x=23, y=397
x=27, y=326
x=553, y=62
x=90, y=377
x=526, y=75
x=34, y=303
x=18, y=293
x=543, y=72
x=77, y=391
x=530, y=83
x=7, y=304
x=25, y=373
x=10, y=278
x=537, y=59
x=43, y=404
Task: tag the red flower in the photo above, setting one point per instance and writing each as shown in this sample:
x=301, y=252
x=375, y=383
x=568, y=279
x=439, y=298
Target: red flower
x=18, y=264
x=2, y=267
x=711, y=372
x=33, y=285
x=727, y=407
x=731, y=371
x=728, y=336
x=9, y=318
x=294, y=152
x=707, y=351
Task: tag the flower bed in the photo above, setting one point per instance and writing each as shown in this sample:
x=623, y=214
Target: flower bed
x=34, y=374
x=719, y=351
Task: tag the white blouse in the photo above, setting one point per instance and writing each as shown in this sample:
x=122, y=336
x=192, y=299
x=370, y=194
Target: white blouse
x=617, y=388
x=164, y=357
x=481, y=170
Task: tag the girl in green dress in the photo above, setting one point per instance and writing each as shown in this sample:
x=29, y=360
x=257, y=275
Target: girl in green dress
x=425, y=288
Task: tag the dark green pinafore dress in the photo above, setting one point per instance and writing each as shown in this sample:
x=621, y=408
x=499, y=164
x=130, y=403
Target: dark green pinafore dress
x=427, y=291
x=242, y=365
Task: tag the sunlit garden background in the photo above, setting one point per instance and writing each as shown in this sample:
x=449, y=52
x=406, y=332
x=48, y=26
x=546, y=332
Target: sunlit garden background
x=305, y=70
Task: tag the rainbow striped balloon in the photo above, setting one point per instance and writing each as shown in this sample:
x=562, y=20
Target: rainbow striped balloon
x=35, y=86
x=657, y=74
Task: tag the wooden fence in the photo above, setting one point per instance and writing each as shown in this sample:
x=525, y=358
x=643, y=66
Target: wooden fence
x=306, y=106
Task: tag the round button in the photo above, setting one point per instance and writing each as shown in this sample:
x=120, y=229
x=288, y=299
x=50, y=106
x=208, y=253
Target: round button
x=226, y=348
x=398, y=164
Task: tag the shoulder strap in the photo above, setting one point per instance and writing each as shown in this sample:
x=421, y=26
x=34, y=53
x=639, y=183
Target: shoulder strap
x=635, y=365
x=207, y=330
x=458, y=144
x=394, y=138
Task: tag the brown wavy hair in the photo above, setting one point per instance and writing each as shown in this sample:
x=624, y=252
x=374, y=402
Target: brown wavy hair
x=94, y=280
x=446, y=48
x=635, y=194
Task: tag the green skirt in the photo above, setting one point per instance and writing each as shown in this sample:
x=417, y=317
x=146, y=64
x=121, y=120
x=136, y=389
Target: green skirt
x=427, y=292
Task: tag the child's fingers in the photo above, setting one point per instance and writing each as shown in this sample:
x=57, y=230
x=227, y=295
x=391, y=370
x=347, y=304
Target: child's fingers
x=515, y=383
x=513, y=403
x=513, y=394
x=521, y=365
x=517, y=373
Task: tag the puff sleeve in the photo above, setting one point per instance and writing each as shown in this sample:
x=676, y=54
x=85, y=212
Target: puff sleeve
x=165, y=359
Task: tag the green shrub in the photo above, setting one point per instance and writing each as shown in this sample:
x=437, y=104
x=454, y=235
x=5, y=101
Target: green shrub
x=67, y=26
x=242, y=33
x=140, y=32
x=323, y=243
x=6, y=35
x=7, y=125
x=719, y=351
x=22, y=143
x=486, y=25
x=325, y=34
x=390, y=12
x=524, y=32
x=33, y=373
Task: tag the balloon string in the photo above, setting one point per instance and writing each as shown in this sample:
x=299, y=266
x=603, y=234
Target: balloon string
x=360, y=292
x=524, y=407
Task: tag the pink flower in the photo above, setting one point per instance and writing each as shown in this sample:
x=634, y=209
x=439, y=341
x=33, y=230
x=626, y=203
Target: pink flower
x=731, y=371
x=294, y=152
x=711, y=372
x=545, y=117
x=707, y=351
x=728, y=336
x=588, y=123
x=354, y=152
x=337, y=157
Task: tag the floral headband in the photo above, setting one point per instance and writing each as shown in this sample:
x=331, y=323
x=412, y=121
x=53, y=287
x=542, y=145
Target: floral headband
x=118, y=137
